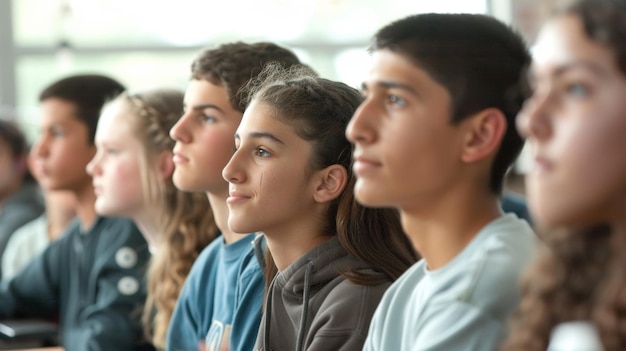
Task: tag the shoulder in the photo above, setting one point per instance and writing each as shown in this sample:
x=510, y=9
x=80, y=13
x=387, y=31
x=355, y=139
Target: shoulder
x=506, y=249
x=206, y=263
x=487, y=275
x=211, y=252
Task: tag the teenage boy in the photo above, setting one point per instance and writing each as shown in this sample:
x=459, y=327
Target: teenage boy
x=92, y=277
x=434, y=139
x=220, y=304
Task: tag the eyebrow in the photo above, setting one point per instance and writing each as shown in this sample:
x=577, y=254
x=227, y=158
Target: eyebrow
x=388, y=84
x=205, y=106
x=563, y=69
x=262, y=135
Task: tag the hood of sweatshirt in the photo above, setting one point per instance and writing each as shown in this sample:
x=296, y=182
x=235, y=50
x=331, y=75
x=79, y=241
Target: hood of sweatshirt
x=297, y=294
x=323, y=264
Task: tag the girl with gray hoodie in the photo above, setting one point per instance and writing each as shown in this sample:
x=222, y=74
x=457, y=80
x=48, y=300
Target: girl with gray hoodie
x=329, y=259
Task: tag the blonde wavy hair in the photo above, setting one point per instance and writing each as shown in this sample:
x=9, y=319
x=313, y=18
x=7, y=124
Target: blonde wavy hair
x=186, y=219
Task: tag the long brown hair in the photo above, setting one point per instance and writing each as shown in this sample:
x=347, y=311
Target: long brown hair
x=186, y=219
x=580, y=273
x=319, y=110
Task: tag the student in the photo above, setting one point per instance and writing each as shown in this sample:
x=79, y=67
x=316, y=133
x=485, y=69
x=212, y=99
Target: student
x=132, y=174
x=573, y=294
x=92, y=277
x=290, y=178
x=33, y=237
x=20, y=199
x=220, y=304
x=434, y=139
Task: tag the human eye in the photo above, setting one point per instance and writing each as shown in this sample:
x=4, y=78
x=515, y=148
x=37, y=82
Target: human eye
x=396, y=100
x=261, y=152
x=577, y=90
x=207, y=118
x=57, y=132
x=111, y=151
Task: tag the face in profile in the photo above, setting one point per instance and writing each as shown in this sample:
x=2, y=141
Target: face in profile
x=271, y=181
x=406, y=148
x=10, y=170
x=204, y=138
x=63, y=148
x=116, y=167
x=575, y=122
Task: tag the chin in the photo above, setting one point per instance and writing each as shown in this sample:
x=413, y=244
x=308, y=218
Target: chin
x=369, y=198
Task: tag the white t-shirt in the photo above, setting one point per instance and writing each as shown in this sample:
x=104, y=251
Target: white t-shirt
x=27, y=242
x=464, y=305
x=575, y=336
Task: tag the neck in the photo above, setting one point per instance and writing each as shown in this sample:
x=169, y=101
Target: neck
x=11, y=189
x=85, y=210
x=220, y=213
x=150, y=226
x=291, y=241
x=441, y=231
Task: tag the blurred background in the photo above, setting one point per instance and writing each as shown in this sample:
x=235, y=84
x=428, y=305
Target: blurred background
x=149, y=43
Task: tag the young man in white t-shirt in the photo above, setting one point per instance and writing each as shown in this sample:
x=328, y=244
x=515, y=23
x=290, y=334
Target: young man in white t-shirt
x=434, y=138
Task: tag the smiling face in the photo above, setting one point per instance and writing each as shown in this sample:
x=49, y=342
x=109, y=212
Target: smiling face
x=575, y=122
x=204, y=138
x=406, y=148
x=116, y=167
x=63, y=148
x=271, y=181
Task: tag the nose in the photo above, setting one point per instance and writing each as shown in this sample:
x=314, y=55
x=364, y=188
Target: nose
x=534, y=120
x=361, y=130
x=233, y=172
x=93, y=167
x=40, y=148
x=180, y=131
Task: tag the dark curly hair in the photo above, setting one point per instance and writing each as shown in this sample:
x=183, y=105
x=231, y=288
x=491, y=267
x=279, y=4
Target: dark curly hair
x=580, y=274
x=232, y=65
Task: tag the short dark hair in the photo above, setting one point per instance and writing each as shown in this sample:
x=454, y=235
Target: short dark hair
x=232, y=65
x=478, y=59
x=603, y=21
x=15, y=139
x=89, y=92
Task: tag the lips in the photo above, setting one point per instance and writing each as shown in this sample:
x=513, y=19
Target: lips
x=363, y=164
x=235, y=197
x=179, y=158
x=542, y=164
x=97, y=189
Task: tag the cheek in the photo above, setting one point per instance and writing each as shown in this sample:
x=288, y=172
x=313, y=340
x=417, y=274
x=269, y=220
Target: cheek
x=124, y=180
x=216, y=150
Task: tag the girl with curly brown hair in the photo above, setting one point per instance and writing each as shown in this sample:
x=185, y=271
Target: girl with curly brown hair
x=132, y=175
x=574, y=294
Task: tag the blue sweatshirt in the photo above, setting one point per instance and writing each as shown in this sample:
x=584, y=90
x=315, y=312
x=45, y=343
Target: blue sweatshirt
x=220, y=303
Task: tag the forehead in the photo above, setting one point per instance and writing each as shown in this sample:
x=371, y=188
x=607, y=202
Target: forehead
x=115, y=121
x=257, y=115
x=203, y=91
x=562, y=41
x=59, y=112
x=392, y=67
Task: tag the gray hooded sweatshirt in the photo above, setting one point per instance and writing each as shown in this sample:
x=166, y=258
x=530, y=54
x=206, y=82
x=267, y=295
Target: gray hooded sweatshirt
x=312, y=306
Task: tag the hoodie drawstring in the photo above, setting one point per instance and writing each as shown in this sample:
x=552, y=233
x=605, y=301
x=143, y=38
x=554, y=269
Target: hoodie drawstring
x=267, y=316
x=305, y=306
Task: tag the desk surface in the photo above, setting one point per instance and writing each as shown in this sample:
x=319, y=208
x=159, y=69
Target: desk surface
x=56, y=348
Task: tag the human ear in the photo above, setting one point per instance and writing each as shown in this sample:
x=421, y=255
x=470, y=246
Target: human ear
x=330, y=183
x=484, y=134
x=165, y=164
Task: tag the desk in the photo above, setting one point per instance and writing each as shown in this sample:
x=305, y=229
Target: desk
x=55, y=348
